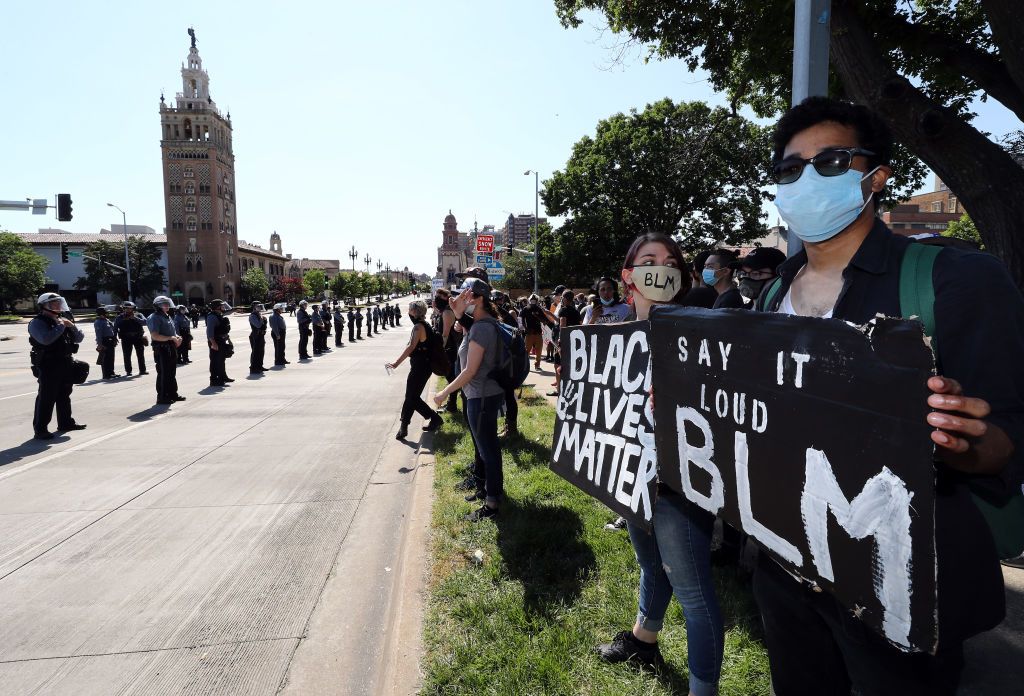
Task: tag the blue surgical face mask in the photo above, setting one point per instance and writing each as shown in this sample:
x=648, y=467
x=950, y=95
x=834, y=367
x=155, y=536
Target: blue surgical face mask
x=819, y=207
x=608, y=302
x=709, y=277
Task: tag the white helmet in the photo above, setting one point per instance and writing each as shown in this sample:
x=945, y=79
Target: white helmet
x=48, y=297
x=163, y=300
x=281, y=305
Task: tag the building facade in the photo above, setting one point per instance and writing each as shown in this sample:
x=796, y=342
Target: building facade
x=272, y=262
x=518, y=230
x=925, y=213
x=453, y=254
x=199, y=190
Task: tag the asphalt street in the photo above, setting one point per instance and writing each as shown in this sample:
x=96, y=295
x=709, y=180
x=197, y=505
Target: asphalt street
x=186, y=548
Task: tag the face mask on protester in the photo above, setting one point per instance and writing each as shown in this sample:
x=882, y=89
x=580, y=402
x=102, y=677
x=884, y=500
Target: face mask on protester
x=708, y=275
x=412, y=319
x=751, y=289
x=609, y=302
x=819, y=207
x=470, y=309
x=657, y=283
x=441, y=303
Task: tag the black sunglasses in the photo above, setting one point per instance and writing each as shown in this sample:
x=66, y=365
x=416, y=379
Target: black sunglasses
x=831, y=162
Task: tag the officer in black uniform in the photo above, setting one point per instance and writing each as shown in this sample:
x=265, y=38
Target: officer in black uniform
x=106, y=341
x=317, y=322
x=304, y=322
x=359, y=323
x=131, y=329
x=339, y=325
x=218, y=328
x=351, y=325
x=325, y=314
x=54, y=340
x=369, y=321
x=183, y=323
x=278, y=328
x=376, y=318
x=166, y=340
x=257, y=339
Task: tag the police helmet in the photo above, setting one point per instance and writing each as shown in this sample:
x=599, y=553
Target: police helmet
x=163, y=300
x=302, y=303
x=257, y=306
x=183, y=309
x=127, y=304
x=101, y=311
x=280, y=305
x=218, y=304
x=48, y=297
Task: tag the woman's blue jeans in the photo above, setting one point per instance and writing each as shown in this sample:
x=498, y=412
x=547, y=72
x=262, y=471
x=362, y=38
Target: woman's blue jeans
x=675, y=558
x=482, y=415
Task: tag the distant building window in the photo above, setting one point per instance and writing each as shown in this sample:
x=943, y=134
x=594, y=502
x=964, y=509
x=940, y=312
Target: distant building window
x=199, y=266
x=187, y=173
x=937, y=207
x=190, y=188
x=188, y=266
x=952, y=204
x=190, y=203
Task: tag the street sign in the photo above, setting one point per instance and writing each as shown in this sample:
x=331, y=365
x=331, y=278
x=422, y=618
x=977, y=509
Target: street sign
x=484, y=259
x=74, y=253
x=485, y=243
x=495, y=271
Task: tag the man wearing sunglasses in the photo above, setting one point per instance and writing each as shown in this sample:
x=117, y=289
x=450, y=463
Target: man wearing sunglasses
x=831, y=166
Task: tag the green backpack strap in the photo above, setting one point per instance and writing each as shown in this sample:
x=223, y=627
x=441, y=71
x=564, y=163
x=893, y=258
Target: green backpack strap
x=917, y=292
x=1005, y=518
x=773, y=290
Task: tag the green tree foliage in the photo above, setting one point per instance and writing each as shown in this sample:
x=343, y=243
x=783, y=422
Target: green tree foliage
x=349, y=285
x=964, y=229
x=682, y=169
x=255, y=286
x=21, y=270
x=315, y=281
x=519, y=266
x=147, y=273
x=919, y=64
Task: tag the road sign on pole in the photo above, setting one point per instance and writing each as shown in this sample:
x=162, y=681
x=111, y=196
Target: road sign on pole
x=496, y=271
x=485, y=243
x=484, y=259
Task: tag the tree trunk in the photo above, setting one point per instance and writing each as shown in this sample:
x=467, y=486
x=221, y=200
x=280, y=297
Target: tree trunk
x=984, y=177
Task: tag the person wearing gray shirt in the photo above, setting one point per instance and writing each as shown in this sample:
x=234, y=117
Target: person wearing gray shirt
x=165, y=340
x=54, y=340
x=106, y=341
x=480, y=353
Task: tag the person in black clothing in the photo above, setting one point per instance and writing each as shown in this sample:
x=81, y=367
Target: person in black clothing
x=304, y=322
x=444, y=326
x=418, y=352
x=359, y=324
x=700, y=294
x=351, y=325
x=166, y=340
x=718, y=274
x=325, y=314
x=54, y=340
x=131, y=329
x=106, y=341
x=183, y=324
x=832, y=163
x=278, y=329
x=257, y=339
x=218, y=328
x=757, y=269
x=394, y=315
x=339, y=326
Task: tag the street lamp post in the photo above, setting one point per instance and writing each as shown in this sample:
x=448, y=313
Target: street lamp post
x=127, y=263
x=367, y=261
x=353, y=254
x=536, y=226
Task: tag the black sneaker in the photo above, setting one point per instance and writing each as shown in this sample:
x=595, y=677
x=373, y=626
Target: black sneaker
x=70, y=427
x=43, y=435
x=435, y=423
x=625, y=647
x=402, y=432
x=476, y=495
x=467, y=484
x=482, y=513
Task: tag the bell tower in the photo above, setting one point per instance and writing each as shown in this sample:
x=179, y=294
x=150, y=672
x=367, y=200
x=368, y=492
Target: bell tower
x=275, y=243
x=199, y=190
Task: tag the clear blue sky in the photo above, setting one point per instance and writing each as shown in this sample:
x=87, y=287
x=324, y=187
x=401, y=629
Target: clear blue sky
x=355, y=123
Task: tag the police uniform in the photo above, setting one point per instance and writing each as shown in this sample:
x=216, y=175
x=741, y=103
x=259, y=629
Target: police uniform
x=130, y=329
x=106, y=341
x=339, y=325
x=165, y=355
x=359, y=324
x=398, y=316
x=278, y=328
x=351, y=325
x=376, y=318
x=325, y=314
x=304, y=321
x=53, y=344
x=183, y=323
x=257, y=339
x=318, y=330
x=218, y=328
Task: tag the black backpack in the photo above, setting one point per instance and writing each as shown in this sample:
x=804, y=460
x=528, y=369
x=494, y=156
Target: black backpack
x=515, y=364
x=435, y=350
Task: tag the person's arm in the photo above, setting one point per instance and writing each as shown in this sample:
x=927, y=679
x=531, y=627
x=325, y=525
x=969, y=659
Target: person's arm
x=458, y=307
x=210, y=333
x=552, y=319
x=474, y=357
x=46, y=334
x=418, y=334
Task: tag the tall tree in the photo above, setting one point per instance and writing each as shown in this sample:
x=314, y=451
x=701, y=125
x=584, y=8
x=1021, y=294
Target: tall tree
x=147, y=273
x=287, y=289
x=315, y=281
x=919, y=64
x=685, y=169
x=22, y=271
x=255, y=285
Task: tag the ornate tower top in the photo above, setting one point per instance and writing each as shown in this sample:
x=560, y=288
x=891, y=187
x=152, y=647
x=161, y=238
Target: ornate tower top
x=275, y=242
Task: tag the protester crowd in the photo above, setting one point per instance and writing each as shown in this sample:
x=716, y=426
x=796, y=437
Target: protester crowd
x=831, y=165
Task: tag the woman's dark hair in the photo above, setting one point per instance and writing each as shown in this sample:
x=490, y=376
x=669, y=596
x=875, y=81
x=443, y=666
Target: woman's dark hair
x=489, y=305
x=671, y=246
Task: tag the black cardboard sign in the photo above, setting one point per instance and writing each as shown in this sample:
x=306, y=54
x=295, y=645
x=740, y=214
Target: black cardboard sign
x=810, y=436
x=604, y=439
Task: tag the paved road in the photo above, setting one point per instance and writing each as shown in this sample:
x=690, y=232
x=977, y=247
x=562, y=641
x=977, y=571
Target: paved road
x=185, y=549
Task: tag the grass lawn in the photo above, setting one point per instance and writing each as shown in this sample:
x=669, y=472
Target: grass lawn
x=552, y=584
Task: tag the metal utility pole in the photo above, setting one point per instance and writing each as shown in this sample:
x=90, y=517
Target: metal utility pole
x=353, y=254
x=536, y=226
x=127, y=263
x=810, y=62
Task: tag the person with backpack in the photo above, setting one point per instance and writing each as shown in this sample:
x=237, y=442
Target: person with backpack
x=480, y=357
x=831, y=166
x=419, y=353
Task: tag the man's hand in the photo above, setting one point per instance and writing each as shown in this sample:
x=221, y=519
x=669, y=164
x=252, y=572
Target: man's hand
x=440, y=398
x=213, y=345
x=458, y=304
x=966, y=440
x=66, y=322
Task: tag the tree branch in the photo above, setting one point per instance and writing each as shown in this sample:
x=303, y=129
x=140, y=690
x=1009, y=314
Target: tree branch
x=1004, y=18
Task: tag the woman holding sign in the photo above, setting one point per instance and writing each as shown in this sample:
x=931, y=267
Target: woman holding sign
x=675, y=558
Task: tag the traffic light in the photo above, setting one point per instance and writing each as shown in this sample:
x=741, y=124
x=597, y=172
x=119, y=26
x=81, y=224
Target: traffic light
x=64, y=207
x=63, y=252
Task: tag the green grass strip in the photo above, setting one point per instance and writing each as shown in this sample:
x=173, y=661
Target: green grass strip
x=552, y=584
